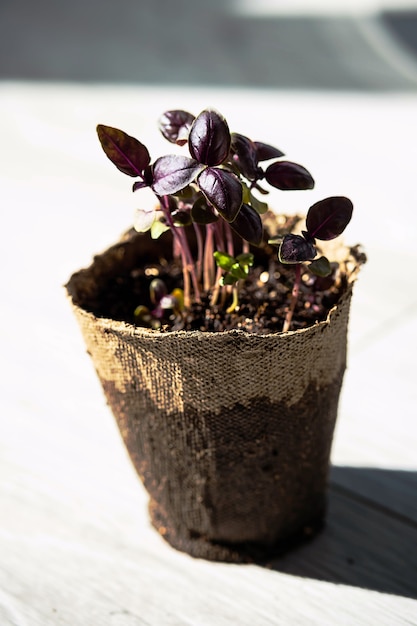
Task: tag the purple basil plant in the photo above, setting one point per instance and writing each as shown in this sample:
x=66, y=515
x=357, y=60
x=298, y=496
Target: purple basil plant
x=211, y=191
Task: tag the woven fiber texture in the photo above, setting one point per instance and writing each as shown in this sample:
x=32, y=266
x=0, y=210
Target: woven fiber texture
x=230, y=432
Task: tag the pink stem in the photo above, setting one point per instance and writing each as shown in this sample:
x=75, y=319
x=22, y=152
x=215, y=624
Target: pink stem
x=294, y=298
x=200, y=248
x=188, y=267
x=229, y=238
x=208, y=272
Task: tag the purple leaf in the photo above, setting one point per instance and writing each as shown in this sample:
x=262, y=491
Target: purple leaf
x=172, y=173
x=181, y=218
x=223, y=190
x=265, y=152
x=175, y=126
x=209, y=138
x=287, y=175
x=248, y=225
x=157, y=290
x=295, y=249
x=127, y=153
x=139, y=184
x=328, y=218
x=244, y=155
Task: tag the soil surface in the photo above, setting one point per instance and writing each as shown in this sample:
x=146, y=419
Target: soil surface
x=264, y=299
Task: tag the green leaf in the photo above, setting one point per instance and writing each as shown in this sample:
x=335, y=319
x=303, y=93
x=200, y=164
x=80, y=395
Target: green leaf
x=276, y=241
x=260, y=207
x=144, y=220
x=142, y=316
x=228, y=279
x=320, y=267
x=238, y=271
x=246, y=258
x=224, y=260
x=185, y=194
x=246, y=194
x=158, y=228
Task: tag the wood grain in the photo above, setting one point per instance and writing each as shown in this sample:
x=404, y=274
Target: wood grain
x=76, y=544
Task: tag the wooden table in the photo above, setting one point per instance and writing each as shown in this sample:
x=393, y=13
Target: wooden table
x=76, y=543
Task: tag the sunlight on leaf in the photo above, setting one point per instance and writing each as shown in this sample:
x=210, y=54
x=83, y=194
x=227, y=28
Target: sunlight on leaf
x=128, y=154
x=172, y=172
x=223, y=190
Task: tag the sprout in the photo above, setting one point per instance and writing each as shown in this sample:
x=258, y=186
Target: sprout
x=210, y=193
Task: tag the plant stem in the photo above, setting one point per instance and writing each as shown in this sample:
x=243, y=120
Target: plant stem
x=189, y=263
x=294, y=297
x=188, y=267
x=229, y=238
x=200, y=248
x=216, y=289
x=235, y=301
x=208, y=271
x=219, y=232
x=218, y=235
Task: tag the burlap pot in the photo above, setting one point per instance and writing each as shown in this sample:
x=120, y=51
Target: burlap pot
x=230, y=432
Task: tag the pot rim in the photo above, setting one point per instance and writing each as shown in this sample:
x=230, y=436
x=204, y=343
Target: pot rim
x=126, y=327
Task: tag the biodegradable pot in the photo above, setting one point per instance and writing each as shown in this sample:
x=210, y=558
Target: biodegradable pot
x=230, y=432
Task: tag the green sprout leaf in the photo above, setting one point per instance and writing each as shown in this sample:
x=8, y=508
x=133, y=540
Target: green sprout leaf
x=246, y=258
x=224, y=260
x=320, y=267
x=260, y=207
x=238, y=271
x=235, y=268
x=158, y=228
x=144, y=220
x=143, y=316
x=228, y=279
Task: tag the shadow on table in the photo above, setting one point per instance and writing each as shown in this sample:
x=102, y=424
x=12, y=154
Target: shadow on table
x=370, y=538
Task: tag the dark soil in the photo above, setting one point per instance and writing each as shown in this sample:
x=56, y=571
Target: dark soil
x=263, y=299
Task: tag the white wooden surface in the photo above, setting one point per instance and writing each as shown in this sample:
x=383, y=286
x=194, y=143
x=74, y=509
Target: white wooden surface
x=76, y=546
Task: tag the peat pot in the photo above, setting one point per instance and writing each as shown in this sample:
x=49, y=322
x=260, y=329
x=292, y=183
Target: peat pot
x=230, y=432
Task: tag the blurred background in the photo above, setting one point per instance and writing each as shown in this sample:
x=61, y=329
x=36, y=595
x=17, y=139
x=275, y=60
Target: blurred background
x=323, y=44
